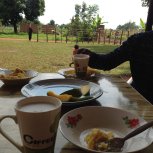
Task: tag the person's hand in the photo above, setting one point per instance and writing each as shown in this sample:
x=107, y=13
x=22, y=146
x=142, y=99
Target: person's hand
x=84, y=51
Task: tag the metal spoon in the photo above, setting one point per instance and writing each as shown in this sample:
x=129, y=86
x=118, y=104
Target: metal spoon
x=116, y=144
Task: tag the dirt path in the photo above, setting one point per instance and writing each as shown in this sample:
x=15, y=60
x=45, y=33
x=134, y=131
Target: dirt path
x=12, y=39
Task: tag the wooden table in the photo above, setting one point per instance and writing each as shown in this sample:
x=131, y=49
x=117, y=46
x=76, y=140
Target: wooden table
x=117, y=93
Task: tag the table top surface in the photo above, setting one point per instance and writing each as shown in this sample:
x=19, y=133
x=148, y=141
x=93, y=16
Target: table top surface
x=116, y=93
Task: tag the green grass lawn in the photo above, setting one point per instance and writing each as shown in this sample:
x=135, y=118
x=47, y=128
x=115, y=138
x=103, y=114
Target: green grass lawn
x=21, y=35
x=47, y=57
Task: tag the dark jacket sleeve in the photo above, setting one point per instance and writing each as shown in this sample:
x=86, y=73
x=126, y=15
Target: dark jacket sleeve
x=113, y=59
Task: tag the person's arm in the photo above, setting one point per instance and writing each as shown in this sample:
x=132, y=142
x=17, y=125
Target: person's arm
x=113, y=59
x=110, y=60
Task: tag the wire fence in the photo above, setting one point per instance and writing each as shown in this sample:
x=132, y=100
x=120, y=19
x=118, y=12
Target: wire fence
x=53, y=34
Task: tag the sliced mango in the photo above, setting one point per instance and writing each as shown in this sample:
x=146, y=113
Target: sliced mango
x=78, y=92
x=63, y=98
x=85, y=90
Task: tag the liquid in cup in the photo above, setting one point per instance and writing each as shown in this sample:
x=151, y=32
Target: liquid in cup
x=81, y=64
x=38, y=119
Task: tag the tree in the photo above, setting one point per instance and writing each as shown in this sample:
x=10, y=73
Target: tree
x=11, y=12
x=145, y=2
x=149, y=23
x=84, y=18
x=52, y=22
x=150, y=16
x=97, y=22
x=33, y=9
x=128, y=26
x=142, y=24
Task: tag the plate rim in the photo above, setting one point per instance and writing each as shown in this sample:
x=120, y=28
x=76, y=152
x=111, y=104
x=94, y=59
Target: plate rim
x=26, y=94
x=61, y=72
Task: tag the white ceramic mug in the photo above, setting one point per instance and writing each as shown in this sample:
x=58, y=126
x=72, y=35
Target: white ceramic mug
x=37, y=118
x=81, y=64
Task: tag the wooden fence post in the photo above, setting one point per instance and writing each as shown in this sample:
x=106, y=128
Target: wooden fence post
x=61, y=34
x=46, y=33
x=93, y=37
x=66, y=37
x=82, y=37
x=55, y=34
x=77, y=37
x=115, y=38
x=128, y=34
x=99, y=36
x=37, y=33
x=105, y=37
x=110, y=34
x=121, y=37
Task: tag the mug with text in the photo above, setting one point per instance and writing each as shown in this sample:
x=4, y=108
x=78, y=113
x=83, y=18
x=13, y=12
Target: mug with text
x=37, y=118
x=81, y=64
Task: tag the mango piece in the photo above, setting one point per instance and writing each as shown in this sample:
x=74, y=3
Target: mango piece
x=70, y=98
x=51, y=93
x=63, y=98
x=78, y=92
x=85, y=90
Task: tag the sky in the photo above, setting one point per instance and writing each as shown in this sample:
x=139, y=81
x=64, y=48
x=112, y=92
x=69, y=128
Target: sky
x=115, y=12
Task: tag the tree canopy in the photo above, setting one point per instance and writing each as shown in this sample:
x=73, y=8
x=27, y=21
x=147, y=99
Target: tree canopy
x=11, y=11
x=52, y=22
x=33, y=9
x=86, y=19
x=149, y=22
x=128, y=26
x=145, y=2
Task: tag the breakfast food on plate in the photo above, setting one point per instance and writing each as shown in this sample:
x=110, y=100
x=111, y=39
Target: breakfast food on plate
x=72, y=95
x=67, y=97
x=78, y=92
x=85, y=90
x=90, y=71
x=15, y=74
x=69, y=72
x=98, y=139
x=63, y=98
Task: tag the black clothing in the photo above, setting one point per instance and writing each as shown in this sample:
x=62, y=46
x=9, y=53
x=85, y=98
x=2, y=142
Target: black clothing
x=138, y=50
x=30, y=33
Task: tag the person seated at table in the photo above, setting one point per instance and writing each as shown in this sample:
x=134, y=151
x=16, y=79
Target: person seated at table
x=75, y=49
x=138, y=50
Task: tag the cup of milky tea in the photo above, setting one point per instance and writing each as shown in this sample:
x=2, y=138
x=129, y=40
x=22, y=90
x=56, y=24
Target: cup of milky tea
x=81, y=64
x=37, y=118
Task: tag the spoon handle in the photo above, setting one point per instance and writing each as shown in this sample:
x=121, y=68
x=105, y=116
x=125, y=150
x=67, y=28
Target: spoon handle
x=139, y=130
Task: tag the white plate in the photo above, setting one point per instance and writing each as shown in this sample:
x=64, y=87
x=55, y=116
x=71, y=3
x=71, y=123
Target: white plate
x=58, y=86
x=70, y=73
x=63, y=71
x=105, y=118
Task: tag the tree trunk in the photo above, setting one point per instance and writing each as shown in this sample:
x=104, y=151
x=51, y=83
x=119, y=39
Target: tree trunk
x=150, y=17
x=15, y=28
